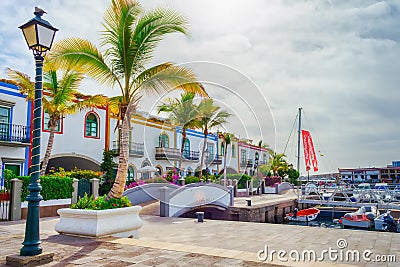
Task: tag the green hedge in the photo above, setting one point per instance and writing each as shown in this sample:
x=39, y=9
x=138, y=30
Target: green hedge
x=191, y=179
x=243, y=178
x=53, y=187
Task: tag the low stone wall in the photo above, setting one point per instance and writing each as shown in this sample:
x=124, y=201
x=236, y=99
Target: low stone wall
x=45, y=211
x=273, y=213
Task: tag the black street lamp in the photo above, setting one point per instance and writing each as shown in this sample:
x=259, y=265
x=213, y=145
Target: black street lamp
x=39, y=35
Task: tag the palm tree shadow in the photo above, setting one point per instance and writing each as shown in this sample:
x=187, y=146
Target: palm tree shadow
x=87, y=245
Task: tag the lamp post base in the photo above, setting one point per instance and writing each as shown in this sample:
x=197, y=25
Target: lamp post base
x=17, y=260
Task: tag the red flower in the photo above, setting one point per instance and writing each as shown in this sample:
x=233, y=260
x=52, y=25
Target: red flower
x=114, y=205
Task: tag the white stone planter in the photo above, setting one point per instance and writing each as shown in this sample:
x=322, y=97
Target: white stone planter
x=121, y=222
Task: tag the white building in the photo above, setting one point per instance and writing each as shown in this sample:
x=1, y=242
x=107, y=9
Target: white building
x=15, y=117
x=81, y=138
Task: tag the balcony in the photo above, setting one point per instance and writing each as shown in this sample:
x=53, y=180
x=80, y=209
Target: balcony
x=214, y=159
x=14, y=135
x=165, y=153
x=191, y=155
x=246, y=163
x=135, y=149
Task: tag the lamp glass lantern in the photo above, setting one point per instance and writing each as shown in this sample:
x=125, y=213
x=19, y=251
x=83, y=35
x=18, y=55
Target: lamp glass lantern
x=39, y=34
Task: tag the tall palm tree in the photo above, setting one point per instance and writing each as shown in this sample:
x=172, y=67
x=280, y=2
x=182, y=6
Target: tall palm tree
x=129, y=39
x=60, y=98
x=210, y=116
x=227, y=141
x=183, y=112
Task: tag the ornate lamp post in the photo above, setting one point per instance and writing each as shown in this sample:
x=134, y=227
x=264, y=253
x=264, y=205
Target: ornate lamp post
x=39, y=35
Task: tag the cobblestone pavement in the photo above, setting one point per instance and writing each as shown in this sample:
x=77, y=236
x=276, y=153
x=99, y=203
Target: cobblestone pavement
x=80, y=251
x=184, y=242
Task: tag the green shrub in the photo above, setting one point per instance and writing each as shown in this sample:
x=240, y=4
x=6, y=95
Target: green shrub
x=88, y=203
x=53, y=187
x=8, y=175
x=107, y=166
x=242, y=178
x=191, y=179
x=101, y=204
x=156, y=180
x=84, y=203
x=76, y=173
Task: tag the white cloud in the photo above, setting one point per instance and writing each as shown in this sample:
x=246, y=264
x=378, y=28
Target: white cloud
x=336, y=59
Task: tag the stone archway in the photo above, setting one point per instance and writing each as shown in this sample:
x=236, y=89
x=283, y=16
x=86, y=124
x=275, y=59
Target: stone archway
x=71, y=161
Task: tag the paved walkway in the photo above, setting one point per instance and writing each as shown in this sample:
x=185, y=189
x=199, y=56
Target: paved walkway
x=184, y=242
x=265, y=199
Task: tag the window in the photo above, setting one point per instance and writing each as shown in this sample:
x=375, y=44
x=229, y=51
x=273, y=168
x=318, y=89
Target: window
x=159, y=171
x=163, y=140
x=233, y=151
x=145, y=174
x=265, y=158
x=131, y=175
x=186, y=149
x=210, y=149
x=243, y=155
x=4, y=123
x=92, y=125
x=46, y=118
x=222, y=148
x=257, y=156
x=15, y=168
x=189, y=171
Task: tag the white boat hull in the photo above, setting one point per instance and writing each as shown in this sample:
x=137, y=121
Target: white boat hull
x=357, y=224
x=307, y=218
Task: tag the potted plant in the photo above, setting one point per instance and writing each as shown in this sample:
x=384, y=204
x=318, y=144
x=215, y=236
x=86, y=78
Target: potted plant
x=98, y=217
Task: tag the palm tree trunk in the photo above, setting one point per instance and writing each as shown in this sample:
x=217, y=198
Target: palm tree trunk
x=182, y=148
x=49, y=147
x=226, y=148
x=202, y=155
x=120, y=181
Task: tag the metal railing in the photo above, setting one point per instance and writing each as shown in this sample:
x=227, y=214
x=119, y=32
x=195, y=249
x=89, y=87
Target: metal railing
x=214, y=159
x=246, y=163
x=14, y=133
x=174, y=154
x=135, y=149
x=191, y=155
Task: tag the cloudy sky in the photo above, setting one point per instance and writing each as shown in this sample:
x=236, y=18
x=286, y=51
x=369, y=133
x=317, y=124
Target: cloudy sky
x=262, y=60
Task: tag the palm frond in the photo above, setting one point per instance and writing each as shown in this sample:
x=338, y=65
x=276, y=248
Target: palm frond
x=79, y=53
x=23, y=81
x=150, y=30
x=119, y=20
x=167, y=77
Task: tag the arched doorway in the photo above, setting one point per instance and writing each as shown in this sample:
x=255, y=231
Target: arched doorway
x=71, y=161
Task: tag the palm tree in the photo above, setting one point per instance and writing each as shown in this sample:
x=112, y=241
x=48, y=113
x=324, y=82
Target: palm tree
x=60, y=98
x=277, y=164
x=183, y=112
x=227, y=141
x=129, y=39
x=210, y=116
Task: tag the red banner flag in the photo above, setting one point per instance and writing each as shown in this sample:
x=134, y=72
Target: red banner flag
x=309, y=152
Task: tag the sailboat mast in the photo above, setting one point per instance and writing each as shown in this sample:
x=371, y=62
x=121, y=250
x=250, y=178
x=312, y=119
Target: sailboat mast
x=298, y=142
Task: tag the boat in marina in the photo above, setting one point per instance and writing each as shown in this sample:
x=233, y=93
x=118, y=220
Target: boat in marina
x=362, y=218
x=305, y=215
x=386, y=222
